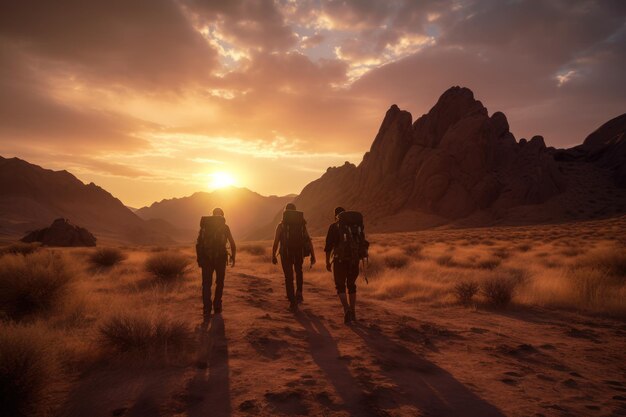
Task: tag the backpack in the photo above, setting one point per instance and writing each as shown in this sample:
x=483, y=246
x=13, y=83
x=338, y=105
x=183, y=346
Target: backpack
x=294, y=237
x=212, y=239
x=352, y=246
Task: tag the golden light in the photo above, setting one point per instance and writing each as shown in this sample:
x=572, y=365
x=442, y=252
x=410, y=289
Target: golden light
x=221, y=180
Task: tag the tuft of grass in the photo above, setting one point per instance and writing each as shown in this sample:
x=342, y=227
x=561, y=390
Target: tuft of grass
x=491, y=263
x=27, y=368
x=167, y=266
x=445, y=260
x=107, y=257
x=465, y=291
x=611, y=260
x=413, y=250
x=20, y=248
x=498, y=291
x=394, y=260
x=256, y=250
x=32, y=284
x=139, y=334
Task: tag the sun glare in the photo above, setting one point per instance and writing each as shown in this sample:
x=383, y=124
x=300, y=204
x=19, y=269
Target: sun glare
x=221, y=180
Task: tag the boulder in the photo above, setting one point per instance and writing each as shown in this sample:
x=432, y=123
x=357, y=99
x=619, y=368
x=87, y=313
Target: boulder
x=61, y=233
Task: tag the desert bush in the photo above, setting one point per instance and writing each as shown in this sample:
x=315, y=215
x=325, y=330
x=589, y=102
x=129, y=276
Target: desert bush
x=445, y=260
x=465, y=291
x=107, y=257
x=19, y=248
x=524, y=247
x=611, y=260
x=491, y=263
x=27, y=368
x=140, y=334
x=498, y=291
x=34, y=283
x=167, y=266
x=256, y=250
x=413, y=250
x=395, y=260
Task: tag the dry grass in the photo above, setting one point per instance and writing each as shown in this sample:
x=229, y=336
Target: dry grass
x=27, y=370
x=33, y=284
x=19, y=248
x=144, y=335
x=254, y=249
x=498, y=291
x=167, y=266
x=107, y=257
x=465, y=291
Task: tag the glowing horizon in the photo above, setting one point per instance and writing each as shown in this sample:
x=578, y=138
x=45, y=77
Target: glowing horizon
x=276, y=92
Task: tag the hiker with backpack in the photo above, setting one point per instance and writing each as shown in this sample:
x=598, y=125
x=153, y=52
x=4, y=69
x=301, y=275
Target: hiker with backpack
x=346, y=245
x=295, y=245
x=212, y=256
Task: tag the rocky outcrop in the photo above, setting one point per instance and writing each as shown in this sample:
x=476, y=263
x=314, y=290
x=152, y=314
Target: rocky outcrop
x=454, y=161
x=61, y=233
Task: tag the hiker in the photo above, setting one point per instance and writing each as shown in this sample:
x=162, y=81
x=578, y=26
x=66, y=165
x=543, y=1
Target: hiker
x=346, y=244
x=212, y=256
x=295, y=245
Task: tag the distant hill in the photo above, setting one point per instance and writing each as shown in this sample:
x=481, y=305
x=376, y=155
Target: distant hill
x=245, y=210
x=31, y=197
x=459, y=166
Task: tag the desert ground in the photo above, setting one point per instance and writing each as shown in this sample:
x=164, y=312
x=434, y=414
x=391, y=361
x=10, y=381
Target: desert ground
x=518, y=321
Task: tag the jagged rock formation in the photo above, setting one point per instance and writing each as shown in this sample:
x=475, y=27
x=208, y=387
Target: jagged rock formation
x=456, y=165
x=61, y=233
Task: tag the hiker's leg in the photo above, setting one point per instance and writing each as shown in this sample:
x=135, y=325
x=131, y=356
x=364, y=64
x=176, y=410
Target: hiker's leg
x=287, y=264
x=339, y=273
x=297, y=264
x=352, y=275
x=207, y=282
x=220, y=274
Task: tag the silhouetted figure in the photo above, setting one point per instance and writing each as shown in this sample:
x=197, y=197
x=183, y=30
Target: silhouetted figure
x=212, y=256
x=295, y=245
x=346, y=245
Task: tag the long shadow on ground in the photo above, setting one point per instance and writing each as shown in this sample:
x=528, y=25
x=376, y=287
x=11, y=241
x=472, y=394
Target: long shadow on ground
x=209, y=390
x=421, y=383
x=326, y=355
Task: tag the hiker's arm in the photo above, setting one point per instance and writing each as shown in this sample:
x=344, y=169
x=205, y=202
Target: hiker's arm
x=310, y=241
x=233, y=247
x=328, y=248
x=275, y=246
x=199, y=247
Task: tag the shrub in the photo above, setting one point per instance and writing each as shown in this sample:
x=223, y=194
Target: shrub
x=256, y=250
x=107, y=257
x=136, y=334
x=34, y=283
x=611, y=260
x=491, y=263
x=19, y=248
x=396, y=260
x=498, y=291
x=27, y=367
x=445, y=260
x=413, y=250
x=465, y=291
x=167, y=266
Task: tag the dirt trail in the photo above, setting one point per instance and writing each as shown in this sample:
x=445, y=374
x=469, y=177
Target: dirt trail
x=257, y=358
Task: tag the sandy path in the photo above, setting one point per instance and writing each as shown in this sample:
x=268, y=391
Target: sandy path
x=257, y=358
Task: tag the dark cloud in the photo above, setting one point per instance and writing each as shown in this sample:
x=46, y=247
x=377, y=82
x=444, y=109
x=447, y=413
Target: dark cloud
x=248, y=24
x=146, y=44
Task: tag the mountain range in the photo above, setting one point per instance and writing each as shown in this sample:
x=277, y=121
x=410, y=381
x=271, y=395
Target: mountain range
x=456, y=166
x=459, y=166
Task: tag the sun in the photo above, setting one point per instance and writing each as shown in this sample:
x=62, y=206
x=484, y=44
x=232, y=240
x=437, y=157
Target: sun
x=221, y=180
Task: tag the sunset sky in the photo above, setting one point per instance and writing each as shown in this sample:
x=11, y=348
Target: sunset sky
x=150, y=98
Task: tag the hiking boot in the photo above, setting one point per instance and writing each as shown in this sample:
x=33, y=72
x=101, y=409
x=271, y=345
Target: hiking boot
x=299, y=298
x=352, y=315
x=347, y=317
x=293, y=307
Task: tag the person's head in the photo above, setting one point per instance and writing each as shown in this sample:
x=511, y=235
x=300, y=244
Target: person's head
x=218, y=212
x=338, y=211
x=290, y=206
